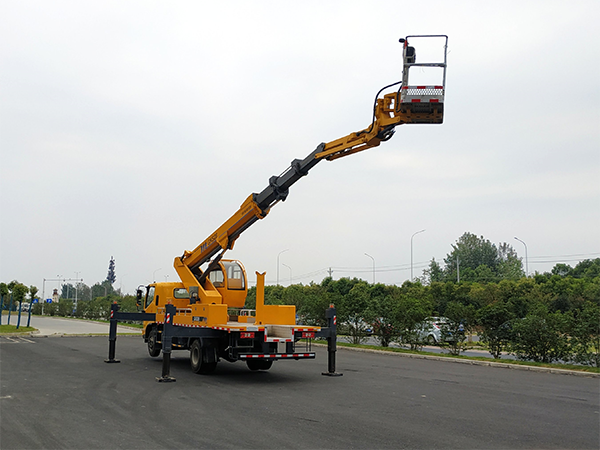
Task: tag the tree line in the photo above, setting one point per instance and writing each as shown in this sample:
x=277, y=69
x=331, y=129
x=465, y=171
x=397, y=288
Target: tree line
x=554, y=316
x=549, y=317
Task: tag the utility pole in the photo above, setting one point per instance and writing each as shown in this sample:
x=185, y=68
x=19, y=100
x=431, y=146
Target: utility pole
x=457, y=270
x=330, y=272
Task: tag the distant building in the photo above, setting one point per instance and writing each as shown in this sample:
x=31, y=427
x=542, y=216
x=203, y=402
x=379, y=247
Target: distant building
x=55, y=296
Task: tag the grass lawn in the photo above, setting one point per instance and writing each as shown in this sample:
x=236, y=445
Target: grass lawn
x=478, y=358
x=5, y=329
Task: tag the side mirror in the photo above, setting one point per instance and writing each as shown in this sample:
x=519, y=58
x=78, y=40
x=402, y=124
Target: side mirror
x=193, y=294
x=138, y=297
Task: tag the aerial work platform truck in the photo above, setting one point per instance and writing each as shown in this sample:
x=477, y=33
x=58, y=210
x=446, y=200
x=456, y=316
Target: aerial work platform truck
x=205, y=312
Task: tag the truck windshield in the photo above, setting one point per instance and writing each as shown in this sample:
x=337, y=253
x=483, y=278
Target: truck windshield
x=149, y=296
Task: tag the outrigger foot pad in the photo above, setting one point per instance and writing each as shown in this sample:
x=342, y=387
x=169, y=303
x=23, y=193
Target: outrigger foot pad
x=332, y=374
x=112, y=361
x=165, y=379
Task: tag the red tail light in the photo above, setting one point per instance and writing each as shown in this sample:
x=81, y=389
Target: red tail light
x=308, y=334
x=247, y=335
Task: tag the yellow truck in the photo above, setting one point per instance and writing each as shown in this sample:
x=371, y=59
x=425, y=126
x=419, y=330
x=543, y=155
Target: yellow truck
x=205, y=312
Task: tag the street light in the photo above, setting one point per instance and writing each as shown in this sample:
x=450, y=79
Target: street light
x=76, y=282
x=526, y=263
x=284, y=264
x=154, y=274
x=282, y=251
x=411, y=254
x=366, y=254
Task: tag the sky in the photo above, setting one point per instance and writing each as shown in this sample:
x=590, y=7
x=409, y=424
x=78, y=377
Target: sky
x=134, y=129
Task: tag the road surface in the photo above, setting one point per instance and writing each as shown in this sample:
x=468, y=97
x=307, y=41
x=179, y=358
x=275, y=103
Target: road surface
x=59, y=393
x=56, y=326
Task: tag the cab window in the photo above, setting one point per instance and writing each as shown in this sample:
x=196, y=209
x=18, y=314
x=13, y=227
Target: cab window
x=235, y=275
x=149, y=296
x=181, y=293
x=217, y=278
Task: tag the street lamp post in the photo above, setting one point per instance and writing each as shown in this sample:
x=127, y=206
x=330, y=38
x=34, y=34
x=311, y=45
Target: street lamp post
x=154, y=274
x=411, y=254
x=284, y=264
x=76, y=282
x=366, y=254
x=279, y=254
x=526, y=263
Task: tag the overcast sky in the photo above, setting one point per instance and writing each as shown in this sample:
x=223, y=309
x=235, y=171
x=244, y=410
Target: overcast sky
x=133, y=129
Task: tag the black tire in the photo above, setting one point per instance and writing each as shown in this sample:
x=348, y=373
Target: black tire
x=197, y=359
x=431, y=340
x=259, y=364
x=153, y=346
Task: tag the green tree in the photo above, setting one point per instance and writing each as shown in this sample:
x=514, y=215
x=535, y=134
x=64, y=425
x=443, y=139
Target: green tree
x=33, y=290
x=562, y=270
x=433, y=273
x=102, y=289
x=541, y=336
x=510, y=266
x=383, y=311
x=460, y=319
x=18, y=291
x=586, y=335
x=411, y=313
x=495, y=320
x=314, y=303
x=588, y=268
x=4, y=292
x=470, y=252
x=111, y=277
x=353, y=311
x=65, y=307
x=67, y=291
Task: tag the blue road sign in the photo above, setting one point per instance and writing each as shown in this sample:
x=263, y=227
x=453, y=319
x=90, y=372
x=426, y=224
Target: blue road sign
x=48, y=300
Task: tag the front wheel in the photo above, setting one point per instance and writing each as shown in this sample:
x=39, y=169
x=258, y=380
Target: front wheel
x=197, y=360
x=153, y=346
x=431, y=340
x=259, y=364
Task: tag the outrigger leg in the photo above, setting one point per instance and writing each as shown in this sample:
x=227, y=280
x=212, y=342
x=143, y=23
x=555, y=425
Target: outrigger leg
x=331, y=316
x=167, y=335
x=112, y=334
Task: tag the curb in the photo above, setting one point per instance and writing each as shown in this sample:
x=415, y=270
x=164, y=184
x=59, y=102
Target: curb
x=475, y=362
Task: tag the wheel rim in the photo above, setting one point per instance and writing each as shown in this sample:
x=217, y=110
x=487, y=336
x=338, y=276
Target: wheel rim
x=195, y=356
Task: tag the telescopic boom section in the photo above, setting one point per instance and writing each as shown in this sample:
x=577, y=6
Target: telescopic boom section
x=255, y=207
x=410, y=104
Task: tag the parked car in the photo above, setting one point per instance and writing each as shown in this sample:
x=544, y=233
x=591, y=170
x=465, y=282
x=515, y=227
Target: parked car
x=431, y=330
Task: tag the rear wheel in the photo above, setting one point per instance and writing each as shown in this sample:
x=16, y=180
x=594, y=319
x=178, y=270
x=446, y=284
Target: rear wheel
x=197, y=359
x=431, y=339
x=259, y=364
x=153, y=345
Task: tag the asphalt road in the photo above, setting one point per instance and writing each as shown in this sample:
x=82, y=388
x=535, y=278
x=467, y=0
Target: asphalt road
x=54, y=326
x=59, y=393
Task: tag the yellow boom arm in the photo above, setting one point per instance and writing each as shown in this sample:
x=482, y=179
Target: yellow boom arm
x=417, y=104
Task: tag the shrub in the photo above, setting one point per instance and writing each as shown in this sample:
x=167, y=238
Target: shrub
x=586, y=335
x=495, y=320
x=460, y=321
x=541, y=336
